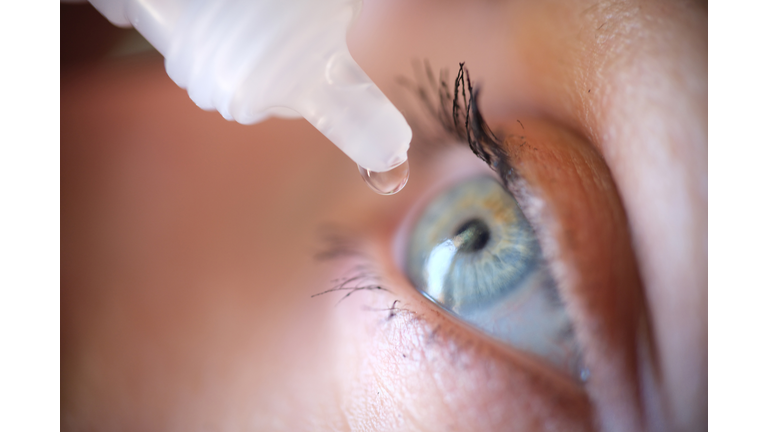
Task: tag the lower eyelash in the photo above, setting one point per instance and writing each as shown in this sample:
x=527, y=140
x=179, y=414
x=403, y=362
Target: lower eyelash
x=353, y=283
x=336, y=244
x=393, y=310
x=426, y=336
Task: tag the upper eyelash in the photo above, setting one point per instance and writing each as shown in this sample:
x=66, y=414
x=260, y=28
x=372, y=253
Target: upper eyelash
x=461, y=117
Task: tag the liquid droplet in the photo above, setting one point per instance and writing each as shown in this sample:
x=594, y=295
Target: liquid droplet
x=584, y=374
x=387, y=182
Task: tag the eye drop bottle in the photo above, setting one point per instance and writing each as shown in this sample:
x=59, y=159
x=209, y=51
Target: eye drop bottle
x=250, y=60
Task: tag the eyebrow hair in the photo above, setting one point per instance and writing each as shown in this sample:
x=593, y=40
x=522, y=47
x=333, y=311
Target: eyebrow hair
x=458, y=116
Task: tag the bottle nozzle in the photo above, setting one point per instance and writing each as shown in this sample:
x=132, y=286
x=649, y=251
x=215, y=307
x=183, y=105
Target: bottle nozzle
x=253, y=59
x=351, y=111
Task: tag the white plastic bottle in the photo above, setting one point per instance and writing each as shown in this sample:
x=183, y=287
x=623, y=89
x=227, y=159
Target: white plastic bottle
x=251, y=59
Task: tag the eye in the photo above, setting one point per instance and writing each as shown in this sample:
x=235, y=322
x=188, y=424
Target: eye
x=473, y=252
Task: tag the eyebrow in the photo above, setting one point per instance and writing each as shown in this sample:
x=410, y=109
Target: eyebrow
x=457, y=115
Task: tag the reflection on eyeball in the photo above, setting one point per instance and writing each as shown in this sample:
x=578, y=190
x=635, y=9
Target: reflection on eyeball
x=474, y=253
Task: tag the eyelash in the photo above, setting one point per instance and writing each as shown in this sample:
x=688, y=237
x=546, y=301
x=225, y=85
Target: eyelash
x=337, y=243
x=453, y=112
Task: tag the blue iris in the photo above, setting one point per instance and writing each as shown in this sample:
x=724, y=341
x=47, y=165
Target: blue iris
x=472, y=246
x=474, y=253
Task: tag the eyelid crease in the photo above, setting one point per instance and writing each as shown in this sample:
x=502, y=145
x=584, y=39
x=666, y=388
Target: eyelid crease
x=566, y=190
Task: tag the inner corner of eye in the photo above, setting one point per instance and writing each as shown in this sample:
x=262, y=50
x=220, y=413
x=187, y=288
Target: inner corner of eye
x=473, y=252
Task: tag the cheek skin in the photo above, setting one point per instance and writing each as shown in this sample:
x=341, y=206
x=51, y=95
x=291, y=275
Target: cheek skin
x=186, y=261
x=565, y=189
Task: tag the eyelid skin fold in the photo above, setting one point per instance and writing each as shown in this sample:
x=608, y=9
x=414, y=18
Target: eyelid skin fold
x=566, y=190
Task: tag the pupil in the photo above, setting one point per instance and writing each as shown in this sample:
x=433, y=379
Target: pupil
x=472, y=236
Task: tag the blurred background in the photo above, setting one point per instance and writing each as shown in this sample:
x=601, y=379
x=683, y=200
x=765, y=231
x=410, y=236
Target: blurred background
x=87, y=37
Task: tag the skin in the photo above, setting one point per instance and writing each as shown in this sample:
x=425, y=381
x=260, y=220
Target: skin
x=188, y=241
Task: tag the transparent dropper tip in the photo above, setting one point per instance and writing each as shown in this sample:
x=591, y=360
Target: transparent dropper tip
x=387, y=182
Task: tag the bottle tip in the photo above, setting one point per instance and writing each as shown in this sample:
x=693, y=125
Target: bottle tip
x=387, y=182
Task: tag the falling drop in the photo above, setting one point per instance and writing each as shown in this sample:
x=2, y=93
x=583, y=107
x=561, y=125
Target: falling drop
x=387, y=182
x=584, y=374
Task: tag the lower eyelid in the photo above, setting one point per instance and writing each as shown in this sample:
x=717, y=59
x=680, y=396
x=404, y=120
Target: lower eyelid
x=424, y=368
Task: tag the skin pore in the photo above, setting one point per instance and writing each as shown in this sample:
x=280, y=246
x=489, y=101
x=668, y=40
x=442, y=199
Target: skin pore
x=188, y=242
